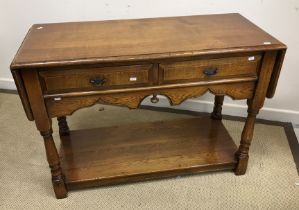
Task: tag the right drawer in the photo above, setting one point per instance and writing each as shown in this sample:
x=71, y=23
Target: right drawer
x=209, y=69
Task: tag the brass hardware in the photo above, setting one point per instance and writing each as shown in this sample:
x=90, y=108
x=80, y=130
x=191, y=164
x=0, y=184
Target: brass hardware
x=154, y=99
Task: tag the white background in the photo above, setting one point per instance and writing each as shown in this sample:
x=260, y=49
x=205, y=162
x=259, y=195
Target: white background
x=278, y=17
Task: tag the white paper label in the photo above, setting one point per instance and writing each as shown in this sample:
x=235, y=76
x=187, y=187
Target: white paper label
x=57, y=99
x=267, y=43
x=133, y=78
x=251, y=58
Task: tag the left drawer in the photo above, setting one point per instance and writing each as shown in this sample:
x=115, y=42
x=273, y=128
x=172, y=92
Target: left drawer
x=96, y=78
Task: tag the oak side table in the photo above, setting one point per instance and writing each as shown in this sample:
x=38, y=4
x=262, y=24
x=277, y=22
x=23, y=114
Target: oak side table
x=63, y=67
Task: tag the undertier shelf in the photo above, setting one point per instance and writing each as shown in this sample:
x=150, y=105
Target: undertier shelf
x=136, y=152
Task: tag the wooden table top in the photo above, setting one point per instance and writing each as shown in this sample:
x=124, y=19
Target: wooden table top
x=128, y=40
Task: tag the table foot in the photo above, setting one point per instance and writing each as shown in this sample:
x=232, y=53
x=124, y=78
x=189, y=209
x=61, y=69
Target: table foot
x=54, y=164
x=59, y=187
x=246, y=138
x=242, y=164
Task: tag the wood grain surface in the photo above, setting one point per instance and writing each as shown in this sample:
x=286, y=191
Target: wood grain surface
x=79, y=79
x=194, y=70
x=67, y=105
x=102, y=156
x=119, y=40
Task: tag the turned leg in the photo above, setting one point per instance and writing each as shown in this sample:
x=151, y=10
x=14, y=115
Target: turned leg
x=44, y=125
x=54, y=163
x=63, y=127
x=216, y=114
x=246, y=137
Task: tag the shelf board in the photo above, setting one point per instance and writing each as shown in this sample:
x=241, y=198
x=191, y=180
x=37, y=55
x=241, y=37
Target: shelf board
x=136, y=152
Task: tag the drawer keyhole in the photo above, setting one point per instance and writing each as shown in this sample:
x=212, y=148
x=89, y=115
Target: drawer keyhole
x=210, y=71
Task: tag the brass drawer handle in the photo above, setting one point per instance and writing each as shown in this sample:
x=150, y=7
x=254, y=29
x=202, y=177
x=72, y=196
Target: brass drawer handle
x=98, y=81
x=210, y=71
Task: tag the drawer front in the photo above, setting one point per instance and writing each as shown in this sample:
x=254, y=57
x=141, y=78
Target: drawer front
x=96, y=78
x=209, y=69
